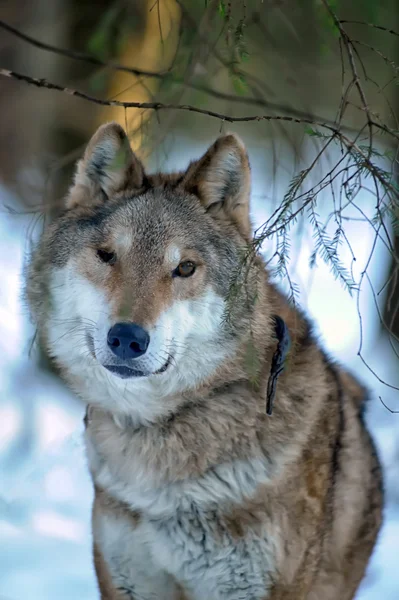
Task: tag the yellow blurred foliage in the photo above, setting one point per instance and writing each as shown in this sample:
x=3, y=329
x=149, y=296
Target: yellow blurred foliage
x=152, y=50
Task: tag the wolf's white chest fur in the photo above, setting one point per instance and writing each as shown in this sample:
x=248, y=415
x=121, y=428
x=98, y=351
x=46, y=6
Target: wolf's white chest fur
x=182, y=535
x=148, y=561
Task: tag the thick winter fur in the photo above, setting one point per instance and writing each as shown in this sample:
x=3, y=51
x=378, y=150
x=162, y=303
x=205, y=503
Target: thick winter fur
x=199, y=494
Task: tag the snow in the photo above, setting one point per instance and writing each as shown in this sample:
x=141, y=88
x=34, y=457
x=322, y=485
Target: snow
x=45, y=490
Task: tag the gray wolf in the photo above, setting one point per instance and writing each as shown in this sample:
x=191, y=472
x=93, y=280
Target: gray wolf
x=140, y=298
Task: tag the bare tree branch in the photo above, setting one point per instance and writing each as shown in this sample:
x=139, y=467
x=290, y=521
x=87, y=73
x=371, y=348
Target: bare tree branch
x=43, y=83
x=114, y=66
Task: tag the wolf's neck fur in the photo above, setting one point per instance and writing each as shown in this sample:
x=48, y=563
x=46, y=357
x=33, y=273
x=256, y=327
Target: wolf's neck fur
x=221, y=423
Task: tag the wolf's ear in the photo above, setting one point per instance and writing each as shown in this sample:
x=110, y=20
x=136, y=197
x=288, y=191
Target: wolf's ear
x=222, y=181
x=107, y=167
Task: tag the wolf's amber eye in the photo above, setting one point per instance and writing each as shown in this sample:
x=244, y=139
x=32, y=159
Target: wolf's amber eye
x=185, y=269
x=106, y=257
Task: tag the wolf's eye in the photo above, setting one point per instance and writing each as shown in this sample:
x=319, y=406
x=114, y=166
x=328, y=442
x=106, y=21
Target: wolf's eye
x=106, y=257
x=185, y=269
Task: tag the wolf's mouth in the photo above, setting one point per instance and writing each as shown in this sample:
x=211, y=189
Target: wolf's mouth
x=126, y=372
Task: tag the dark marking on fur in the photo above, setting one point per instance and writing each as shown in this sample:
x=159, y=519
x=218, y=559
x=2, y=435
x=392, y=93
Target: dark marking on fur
x=128, y=590
x=306, y=338
x=341, y=426
x=96, y=166
x=146, y=184
x=232, y=185
x=278, y=360
x=179, y=180
x=336, y=395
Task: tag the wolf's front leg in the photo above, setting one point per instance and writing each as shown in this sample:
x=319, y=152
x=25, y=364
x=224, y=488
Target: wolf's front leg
x=213, y=560
x=124, y=565
x=106, y=587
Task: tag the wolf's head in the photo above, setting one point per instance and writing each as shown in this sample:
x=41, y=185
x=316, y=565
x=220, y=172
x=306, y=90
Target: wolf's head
x=129, y=286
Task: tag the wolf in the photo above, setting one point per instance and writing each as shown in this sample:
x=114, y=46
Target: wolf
x=145, y=299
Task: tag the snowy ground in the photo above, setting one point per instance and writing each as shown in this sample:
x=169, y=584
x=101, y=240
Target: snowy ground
x=45, y=492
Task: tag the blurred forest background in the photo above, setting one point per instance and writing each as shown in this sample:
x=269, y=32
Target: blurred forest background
x=311, y=86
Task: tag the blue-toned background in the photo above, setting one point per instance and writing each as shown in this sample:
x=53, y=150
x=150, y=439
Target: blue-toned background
x=294, y=59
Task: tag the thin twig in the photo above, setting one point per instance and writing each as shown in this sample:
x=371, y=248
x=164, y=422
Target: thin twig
x=356, y=79
x=391, y=31
x=76, y=55
x=390, y=62
x=394, y=412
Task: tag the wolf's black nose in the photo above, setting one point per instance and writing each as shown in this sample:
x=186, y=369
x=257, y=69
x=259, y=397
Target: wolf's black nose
x=128, y=340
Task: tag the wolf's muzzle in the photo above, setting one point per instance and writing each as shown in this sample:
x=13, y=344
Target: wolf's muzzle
x=126, y=372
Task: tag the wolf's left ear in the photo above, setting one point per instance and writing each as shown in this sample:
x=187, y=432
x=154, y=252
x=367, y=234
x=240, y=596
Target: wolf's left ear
x=222, y=181
x=107, y=167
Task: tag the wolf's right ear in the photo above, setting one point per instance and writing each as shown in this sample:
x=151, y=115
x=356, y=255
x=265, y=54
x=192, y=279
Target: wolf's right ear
x=108, y=166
